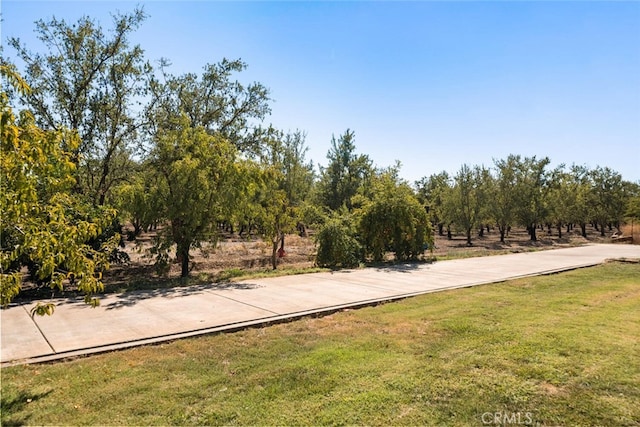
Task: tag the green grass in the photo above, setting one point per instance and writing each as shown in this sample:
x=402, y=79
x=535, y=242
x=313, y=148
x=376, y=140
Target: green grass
x=560, y=349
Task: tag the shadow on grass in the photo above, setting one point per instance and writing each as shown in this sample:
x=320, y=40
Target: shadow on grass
x=12, y=405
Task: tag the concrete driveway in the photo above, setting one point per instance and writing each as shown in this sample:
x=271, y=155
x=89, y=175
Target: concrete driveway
x=144, y=317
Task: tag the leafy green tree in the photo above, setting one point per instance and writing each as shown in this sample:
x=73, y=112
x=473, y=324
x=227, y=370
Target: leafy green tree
x=286, y=180
x=503, y=195
x=312, y=215
x=139, y=198
x=274, y=188
x=561, y=199
x=213, y=101
x=633, y=201
x=608, y=195
x=344, y=175
x=43, y=225
x=201, y=178
x=337, y=242
x=580, y=188
x=89, y=81
x=430, y=192
x=394, y=219
x=531, y=189
x=198, y=125
x=275, y=214
x=269, y=207
x=465, y=202
x=486, y=183
x=288, y=154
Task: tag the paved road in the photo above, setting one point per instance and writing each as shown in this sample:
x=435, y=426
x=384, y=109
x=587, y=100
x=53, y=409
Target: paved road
x=145, y=317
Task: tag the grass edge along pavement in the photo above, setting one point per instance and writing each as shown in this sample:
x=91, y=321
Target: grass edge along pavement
x=151, y=317
x=553, y=349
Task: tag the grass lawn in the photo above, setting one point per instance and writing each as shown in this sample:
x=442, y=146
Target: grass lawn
x=553, y=350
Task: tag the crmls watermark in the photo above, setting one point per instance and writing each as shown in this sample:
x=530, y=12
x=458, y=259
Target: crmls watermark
x=504, y=418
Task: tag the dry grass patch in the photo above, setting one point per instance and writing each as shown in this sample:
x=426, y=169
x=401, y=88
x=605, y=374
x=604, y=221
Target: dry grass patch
x=632, y=230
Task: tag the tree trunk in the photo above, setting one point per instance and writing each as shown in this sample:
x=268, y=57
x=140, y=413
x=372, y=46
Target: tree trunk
x=184, y=262
x=532, y=231
x=583, y=228
x=449, y=232
x=502, y=233
x=559, y=231
x=441, y=229
x=469, y=237
x=137, y=229
x=481, y=231
x=602, y=229
x=103, y=180
x=274, y=254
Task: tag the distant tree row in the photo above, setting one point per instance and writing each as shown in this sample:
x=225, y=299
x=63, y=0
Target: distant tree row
x=104, y=138
x=524, y=192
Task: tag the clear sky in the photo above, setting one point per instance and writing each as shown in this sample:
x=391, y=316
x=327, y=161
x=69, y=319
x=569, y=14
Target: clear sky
x=432, y=84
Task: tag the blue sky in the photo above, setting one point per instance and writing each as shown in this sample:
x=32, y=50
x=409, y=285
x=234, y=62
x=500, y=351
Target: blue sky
x=432, y=84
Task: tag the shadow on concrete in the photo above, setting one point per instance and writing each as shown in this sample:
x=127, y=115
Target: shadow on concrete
x=129, y=299
x=231, y=285
x=406, y=267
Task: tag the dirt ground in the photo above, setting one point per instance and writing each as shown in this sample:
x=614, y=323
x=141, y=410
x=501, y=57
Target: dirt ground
x=235, y=252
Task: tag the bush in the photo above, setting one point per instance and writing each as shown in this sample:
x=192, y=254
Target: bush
x=394, y=221
x=337, y=245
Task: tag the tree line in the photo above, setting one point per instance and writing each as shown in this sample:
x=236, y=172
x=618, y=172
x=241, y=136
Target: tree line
x=524, y=191
x=103, y=138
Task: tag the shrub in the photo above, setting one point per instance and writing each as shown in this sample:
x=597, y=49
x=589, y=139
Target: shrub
x=393, y=220
x=337, y=244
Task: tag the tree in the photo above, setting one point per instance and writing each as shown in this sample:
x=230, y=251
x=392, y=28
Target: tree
x=139, y=198
x=200, y=175
x=285, y=181
x=394, y=219
x=465, y=201
x=503, y=195
x=344, y=175
x=633, y=200
x=214, y=102
x=580, y=188
x=43, y=225
x=89, y=82
x=608, y=195
x=430, y=192
x=531, y=189
x=275, y=216
x=288, y=155
x=561, y=198
x=337, y=242
x=198, y=126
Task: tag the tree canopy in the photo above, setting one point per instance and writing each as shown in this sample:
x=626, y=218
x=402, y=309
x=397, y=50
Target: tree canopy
x=44, y=225
x=107, y=138
x=89, y=81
